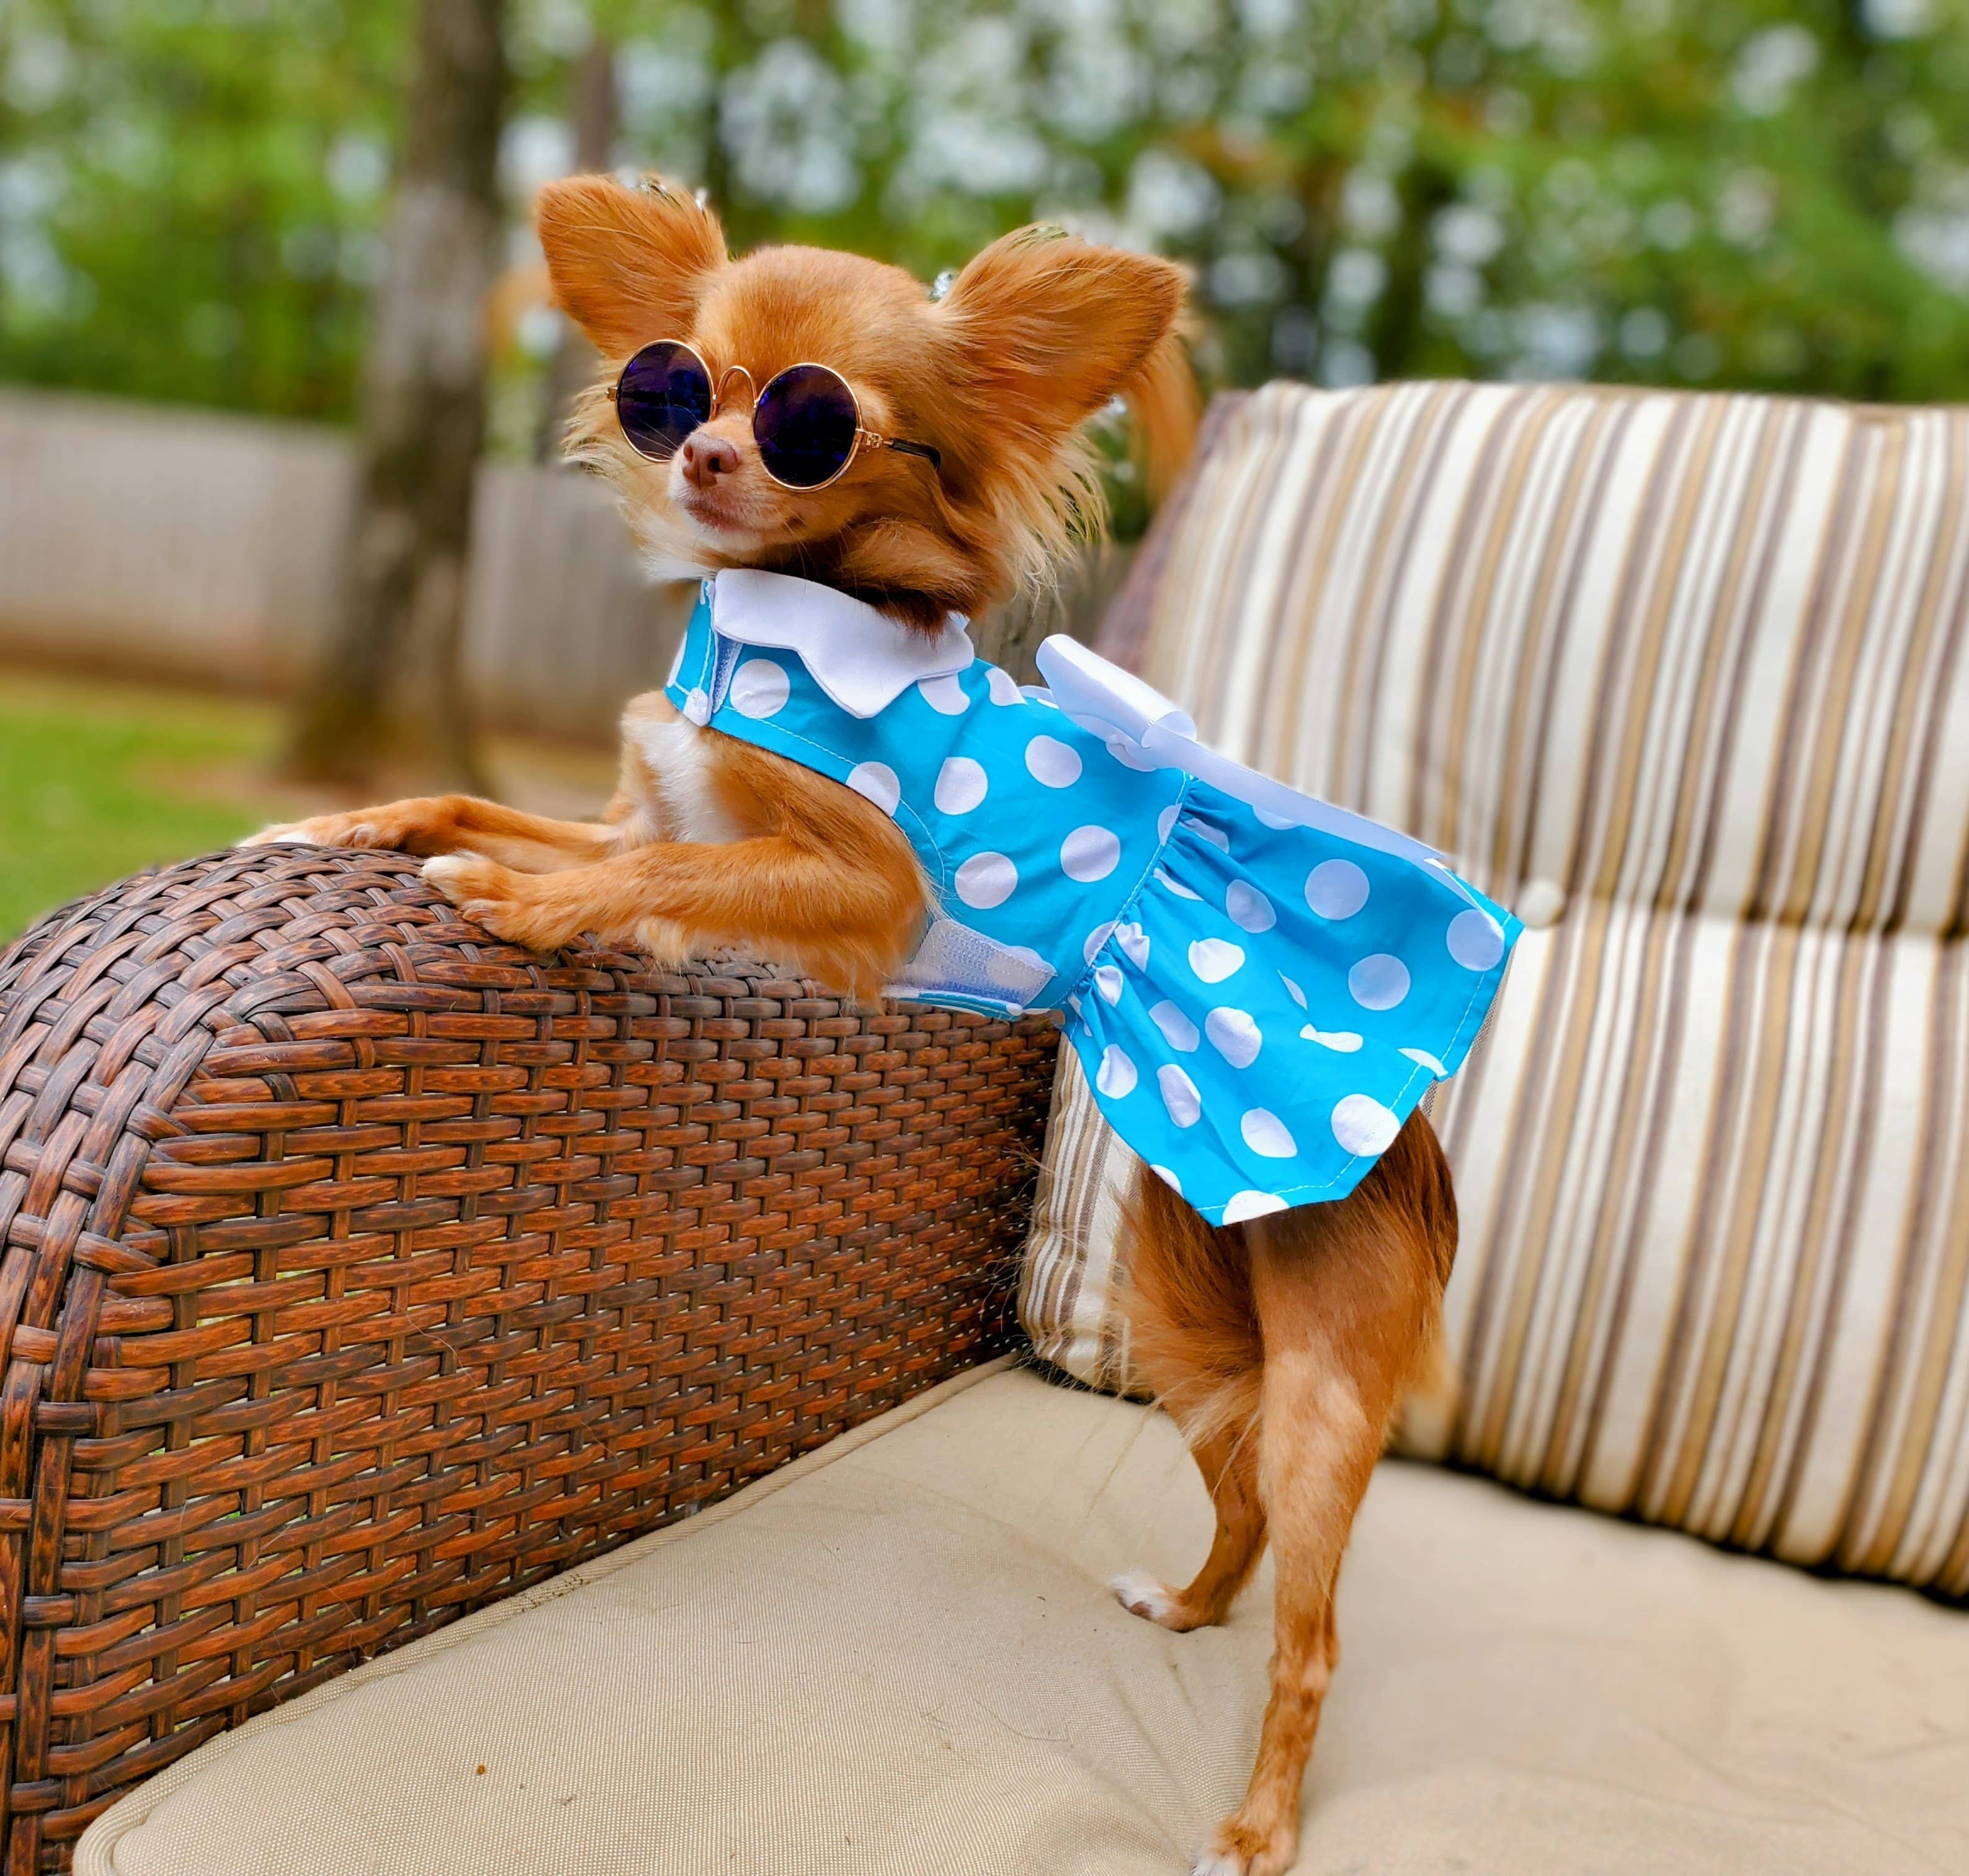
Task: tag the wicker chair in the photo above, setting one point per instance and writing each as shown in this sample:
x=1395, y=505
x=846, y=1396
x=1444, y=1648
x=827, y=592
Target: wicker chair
x=359, y=1272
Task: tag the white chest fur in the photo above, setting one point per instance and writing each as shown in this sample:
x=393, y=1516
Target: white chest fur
x=678, y=757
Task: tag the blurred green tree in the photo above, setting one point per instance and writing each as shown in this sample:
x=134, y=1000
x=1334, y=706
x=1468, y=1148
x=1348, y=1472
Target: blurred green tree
x=1704, y=191
x=191, y=195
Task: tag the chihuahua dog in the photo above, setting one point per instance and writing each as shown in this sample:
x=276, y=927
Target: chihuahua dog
x=1281, y=1346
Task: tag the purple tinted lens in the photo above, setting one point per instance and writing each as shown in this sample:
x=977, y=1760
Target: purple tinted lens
x=663, y=395
x=805, y=426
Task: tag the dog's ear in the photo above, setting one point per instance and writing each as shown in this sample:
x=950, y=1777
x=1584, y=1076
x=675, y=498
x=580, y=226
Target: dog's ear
x=1048, y=327
x=629, y=265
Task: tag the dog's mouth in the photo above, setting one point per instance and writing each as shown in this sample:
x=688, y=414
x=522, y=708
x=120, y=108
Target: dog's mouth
x=724, y=512
x=713, y=512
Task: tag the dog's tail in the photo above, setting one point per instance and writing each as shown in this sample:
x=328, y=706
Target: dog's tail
x=1163, y=395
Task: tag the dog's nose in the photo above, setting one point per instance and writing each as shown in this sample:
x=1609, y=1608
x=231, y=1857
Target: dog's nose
x=706, y=457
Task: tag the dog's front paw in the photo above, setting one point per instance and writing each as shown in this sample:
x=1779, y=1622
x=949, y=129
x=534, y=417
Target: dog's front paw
x=1142, y=1594
x=321, y=830
x=507, y=904
x=396, y=824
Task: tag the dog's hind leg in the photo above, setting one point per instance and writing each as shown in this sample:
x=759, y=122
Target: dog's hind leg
x=1347, y=1297
x=1317, y=1444
x=1193, y=1336
x=1228, y=1460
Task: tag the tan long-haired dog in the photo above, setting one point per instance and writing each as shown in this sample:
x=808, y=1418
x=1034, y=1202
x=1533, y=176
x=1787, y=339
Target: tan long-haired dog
x=1281, y=1346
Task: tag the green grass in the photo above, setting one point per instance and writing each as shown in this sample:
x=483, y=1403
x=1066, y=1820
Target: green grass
x=97, y=782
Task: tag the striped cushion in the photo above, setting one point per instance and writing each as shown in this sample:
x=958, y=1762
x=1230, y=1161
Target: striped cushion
x=1682, y=679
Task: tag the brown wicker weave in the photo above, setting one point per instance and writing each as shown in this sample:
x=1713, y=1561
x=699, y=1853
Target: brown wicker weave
x=359, y=1271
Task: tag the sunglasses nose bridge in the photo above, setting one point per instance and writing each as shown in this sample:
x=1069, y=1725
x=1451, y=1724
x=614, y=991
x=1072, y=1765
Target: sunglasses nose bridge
x=724, y=388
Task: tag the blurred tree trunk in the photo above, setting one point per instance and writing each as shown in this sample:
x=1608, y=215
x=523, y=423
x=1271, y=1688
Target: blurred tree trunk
x=389, y=698
x=593, y=110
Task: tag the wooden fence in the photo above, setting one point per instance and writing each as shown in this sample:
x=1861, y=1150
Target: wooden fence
x=137, y=540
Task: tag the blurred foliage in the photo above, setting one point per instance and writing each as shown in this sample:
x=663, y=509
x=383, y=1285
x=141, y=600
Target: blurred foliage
x=190, y=195
x=1715, y=192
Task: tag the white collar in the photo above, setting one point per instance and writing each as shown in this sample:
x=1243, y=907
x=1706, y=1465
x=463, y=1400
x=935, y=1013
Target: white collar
x=862, y=659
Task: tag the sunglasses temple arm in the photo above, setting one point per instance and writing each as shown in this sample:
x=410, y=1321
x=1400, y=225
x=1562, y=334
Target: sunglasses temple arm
x=932, y=456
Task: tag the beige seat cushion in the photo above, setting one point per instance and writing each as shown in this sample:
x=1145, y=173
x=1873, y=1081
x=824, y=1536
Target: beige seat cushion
x=898, y=1657
x=1685, y=681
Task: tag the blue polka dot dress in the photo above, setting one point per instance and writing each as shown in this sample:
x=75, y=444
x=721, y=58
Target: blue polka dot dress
x=1260, y=986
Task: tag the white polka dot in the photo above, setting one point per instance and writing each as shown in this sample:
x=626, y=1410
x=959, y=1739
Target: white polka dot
x=1178, y=1030
x=1117, y=1077
x=986, y=880
x=961, y=785
x=1243, y=1205
x=1379, y=982
x=1179, y=1095
x=1363, y=1126
x=1249, y=907
x=759, y=687
x=1002, y=687
x=1292, y=990
x=1135, y=944
x=1165, y=821
x=1128, y=753
x=1096, y=939
x=1265, y=1133
x=1176, y=886
x=1203, y=830
x=1052, y=763
x=1089, y=853
x=697, y=707
x=1345, y=1040
x=1234, y=1035
x=1336, y=889
x=1107, y=980
x=1422, y=1059
x=1169, y=1179
x=877, y=781
x=1268, y=819
x=1213, y=959
x=1476, y=941
x=944, y=695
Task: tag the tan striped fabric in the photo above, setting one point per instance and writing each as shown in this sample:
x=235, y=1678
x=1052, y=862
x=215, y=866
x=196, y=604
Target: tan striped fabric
x=1683, y=680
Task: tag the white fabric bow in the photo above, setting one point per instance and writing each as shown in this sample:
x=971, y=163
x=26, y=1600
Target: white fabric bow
x=1104, y=698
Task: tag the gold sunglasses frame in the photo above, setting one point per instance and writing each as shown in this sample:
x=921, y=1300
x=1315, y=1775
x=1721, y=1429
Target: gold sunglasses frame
x=865, y=438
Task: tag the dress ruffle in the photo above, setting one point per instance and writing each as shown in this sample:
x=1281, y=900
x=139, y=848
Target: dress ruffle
x=1287, y=981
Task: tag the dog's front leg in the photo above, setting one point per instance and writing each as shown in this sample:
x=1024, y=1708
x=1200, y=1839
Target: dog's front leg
x=432, y=824
x=846, y=915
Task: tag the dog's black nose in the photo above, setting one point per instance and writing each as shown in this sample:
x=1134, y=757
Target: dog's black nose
x=706, y=457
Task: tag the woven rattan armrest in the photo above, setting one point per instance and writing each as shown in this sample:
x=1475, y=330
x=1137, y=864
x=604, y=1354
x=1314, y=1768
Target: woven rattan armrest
x=358, y=1271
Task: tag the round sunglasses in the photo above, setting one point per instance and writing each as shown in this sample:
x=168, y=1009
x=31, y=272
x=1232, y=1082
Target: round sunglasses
x=806, y=421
